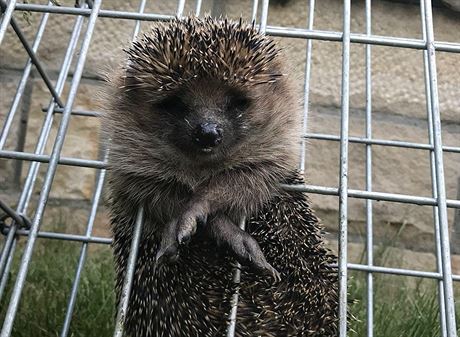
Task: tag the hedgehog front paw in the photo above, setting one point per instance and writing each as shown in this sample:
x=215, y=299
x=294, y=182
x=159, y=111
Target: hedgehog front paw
x=188, y=222
x=245, y=248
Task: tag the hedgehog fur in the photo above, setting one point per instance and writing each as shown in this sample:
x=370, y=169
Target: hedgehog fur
x=193, y=296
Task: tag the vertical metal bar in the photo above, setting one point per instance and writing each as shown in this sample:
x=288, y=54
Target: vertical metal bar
x=369, y=218
x=9, y=246
x=95, y=203
x=198, y=7
x=442, y=307
x=439, y=186
x=124, y=300
x=6, y=17
x=264, y=16
x=84, y=250
x=54, y=158
x=237, y=271
x=306, y=100
x=23, y=82
x=343, y=182
x=234, y=301
x=255, y=4
x=180, y=8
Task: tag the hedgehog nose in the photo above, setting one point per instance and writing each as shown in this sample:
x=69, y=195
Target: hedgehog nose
x=208, y=135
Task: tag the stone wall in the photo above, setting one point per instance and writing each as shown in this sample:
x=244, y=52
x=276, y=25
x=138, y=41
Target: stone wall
x=399, y=110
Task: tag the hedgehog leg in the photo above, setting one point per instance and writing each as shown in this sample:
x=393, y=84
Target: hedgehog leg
x=168, y=249
x=246, y=249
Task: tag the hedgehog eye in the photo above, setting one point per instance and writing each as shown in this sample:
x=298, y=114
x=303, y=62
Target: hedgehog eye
x=238, y=101
x=172, y=104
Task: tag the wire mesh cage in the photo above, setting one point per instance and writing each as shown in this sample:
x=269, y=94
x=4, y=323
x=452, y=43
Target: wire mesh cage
x=26, y=213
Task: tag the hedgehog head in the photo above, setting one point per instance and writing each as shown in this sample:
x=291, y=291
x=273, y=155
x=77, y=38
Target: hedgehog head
x=202, y=89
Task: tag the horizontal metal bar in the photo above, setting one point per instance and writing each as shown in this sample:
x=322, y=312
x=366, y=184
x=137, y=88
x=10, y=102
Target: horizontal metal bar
x=76, y=112
x=270, y=30
x=351, y=266
x=380, y=196
x=63, y=236
x=104, y=13
x=383, y=142
x=399, y=271
x=42, y=158
x=388, y=41
x=360, y=194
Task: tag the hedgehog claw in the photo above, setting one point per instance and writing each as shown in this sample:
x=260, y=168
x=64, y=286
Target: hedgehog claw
x=168, y=248
x=169, y=253
x=188, y=224
x=273, y=273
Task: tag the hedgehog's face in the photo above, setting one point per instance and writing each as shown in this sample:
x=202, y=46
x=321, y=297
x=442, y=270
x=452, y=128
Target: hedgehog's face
x=203, y=120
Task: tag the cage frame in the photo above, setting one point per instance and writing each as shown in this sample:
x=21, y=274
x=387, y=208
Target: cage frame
x=90, y=11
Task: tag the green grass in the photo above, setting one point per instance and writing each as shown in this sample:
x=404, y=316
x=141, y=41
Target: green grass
x=47, y=291
x=403, y=307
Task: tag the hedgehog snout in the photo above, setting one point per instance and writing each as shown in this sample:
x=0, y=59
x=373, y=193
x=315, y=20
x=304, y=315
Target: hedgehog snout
x=207, y=135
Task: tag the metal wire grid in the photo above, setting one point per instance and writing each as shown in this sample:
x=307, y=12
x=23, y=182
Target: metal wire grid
x=21, y=225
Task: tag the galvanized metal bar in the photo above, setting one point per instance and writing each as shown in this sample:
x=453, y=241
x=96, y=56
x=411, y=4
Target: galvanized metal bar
x=369, y=215
x=231, y=328
x=270, y=30
x=449, y=301
x=343, y=178
x=437, y=236
x=380, y=196
x=264, y=17
x=7, y=13
x=255, y=5
x=399, y=271
x=380, y=40
x=180, y=8
x=360, y=194
x=198, y=7
x=84, y=249
x=22, y=82
x=43, y=158
x=131, y=263
x=306, y=91
x=23, y=268
x=77, y=112
x=234, y=301
x=128, y=282
x=383, y=142
x=63, y=236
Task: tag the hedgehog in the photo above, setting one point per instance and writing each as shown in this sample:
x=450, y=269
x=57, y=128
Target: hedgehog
x=202, y=124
